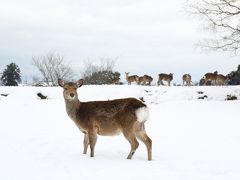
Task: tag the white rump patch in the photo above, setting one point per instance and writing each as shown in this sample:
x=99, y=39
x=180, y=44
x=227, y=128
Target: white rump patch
x=142, y=114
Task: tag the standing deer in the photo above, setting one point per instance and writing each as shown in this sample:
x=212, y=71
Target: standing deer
x=147, y=79
x=130, y=79
x=107, y=118
x=211, y=77
x=164, y=77
x=187, y=79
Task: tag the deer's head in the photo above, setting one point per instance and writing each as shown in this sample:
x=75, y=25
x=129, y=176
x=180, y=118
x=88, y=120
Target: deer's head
x=70, y=88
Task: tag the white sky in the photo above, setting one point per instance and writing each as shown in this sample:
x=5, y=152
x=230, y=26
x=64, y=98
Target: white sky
x=147, y=36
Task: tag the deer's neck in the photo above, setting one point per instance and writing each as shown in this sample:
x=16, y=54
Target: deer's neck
x=72, y=107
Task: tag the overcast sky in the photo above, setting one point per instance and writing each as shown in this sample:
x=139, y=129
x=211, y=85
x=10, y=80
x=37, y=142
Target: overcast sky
x=147, y=36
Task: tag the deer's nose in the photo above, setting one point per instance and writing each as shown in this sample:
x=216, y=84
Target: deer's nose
x=72, y=94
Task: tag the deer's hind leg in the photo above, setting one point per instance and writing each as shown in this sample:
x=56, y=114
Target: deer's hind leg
x=142, y=136
x=130, y=136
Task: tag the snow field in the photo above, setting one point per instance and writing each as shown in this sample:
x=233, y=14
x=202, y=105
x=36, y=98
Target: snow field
x=192, y=138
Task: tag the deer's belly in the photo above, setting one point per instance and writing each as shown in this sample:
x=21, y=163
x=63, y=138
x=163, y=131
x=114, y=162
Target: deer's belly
x=108, y=132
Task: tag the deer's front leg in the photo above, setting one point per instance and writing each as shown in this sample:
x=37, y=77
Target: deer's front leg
x=92, y=135
x=85, y=143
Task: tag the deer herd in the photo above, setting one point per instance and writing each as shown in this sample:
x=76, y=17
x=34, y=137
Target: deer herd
x=163, y=79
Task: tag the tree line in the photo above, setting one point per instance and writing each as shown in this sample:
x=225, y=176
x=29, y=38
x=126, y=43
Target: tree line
x=53, y=66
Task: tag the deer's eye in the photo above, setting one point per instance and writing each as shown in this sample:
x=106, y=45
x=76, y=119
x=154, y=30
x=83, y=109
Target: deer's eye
x=65, y=88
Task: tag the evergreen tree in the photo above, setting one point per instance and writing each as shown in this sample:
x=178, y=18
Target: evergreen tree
x=11, y=75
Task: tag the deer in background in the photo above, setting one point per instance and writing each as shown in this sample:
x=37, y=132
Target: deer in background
x=107, y=118
x=211, y=77
x=130, y=79
x=145, y=80
x=164, y=77
x=187, y=79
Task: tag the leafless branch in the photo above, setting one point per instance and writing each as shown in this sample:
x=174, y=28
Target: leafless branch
x=52, y=67
x=222, y=18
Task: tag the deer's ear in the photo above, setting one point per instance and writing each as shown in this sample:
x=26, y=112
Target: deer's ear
x=79, y=83
x=61, y=82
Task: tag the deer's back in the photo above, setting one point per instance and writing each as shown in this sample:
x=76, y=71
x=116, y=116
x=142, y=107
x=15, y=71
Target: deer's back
x=147, y=78
x=132, y=78
x=165, y=77
x=109, y=116
x=221, y=77
x=210, y=76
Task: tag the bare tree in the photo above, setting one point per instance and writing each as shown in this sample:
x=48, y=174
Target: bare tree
x=103, y=64
x=53, y=67
x=220, y=17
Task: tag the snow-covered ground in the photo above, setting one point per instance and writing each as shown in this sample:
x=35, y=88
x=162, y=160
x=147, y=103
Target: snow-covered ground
x=193, y=139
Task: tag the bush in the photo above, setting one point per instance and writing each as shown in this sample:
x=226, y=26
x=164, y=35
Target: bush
x=101, y=77
x=231, y=97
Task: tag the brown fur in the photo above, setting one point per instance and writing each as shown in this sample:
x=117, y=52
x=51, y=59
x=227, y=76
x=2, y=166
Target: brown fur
x=130, y=79
x=116, y=81
x=221, y=80
x=105, y=118
x=165, y=77
x=147, y=79
x=187, y=79
x=140, y=80
x=210, y=77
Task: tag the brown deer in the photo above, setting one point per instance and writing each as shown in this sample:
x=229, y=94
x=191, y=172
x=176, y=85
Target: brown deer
x=147, y=79
x=130, y=79
x=211, y=77
x=164, y=77
x=107, y=118
x=187, y=79
x=221, y=80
